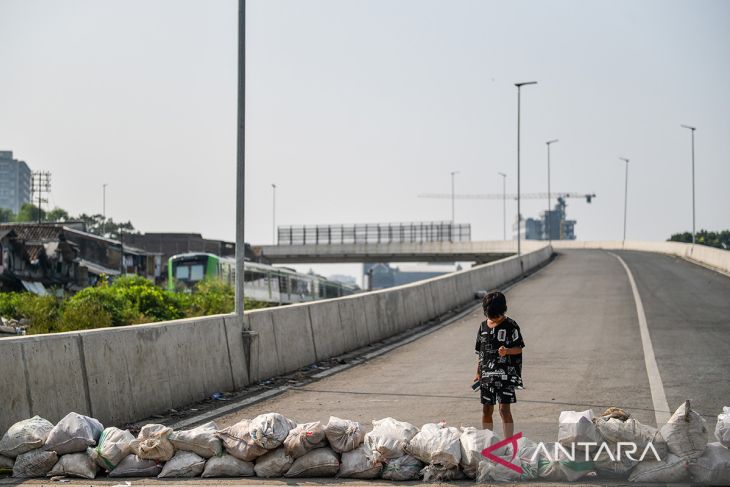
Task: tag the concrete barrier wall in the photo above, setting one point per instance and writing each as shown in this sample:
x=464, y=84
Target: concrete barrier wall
x=125, y=374
x=716, y=258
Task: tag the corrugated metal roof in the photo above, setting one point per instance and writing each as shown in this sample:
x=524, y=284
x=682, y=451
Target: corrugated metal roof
x=27, y=231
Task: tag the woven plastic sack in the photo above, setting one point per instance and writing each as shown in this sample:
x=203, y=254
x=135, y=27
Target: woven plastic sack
x=133, y=466
x=184, y=464
x=685, y=433
x=671, y=469
x=25, y=436
x=304, y=438
x=577, y=427
x=489, y=471
x=238, y=443
x=74, y=465
x=556, y=465
x=275, y=463
x=270, y=430
x=405, y=467
x=321, y=462
x=439, y=473
x=227, y=466
x=35, y=463
x=74, y=433
x=436, y=444
x=343, y=435
x=722, y=428
x=389, y=437
x=359, y=464
x=202, y=440
x=608, y=463
x=713, y=467
x=631, y=431
x=6, y=464
x=472, y=441
x=113, y=447
x=153, y=443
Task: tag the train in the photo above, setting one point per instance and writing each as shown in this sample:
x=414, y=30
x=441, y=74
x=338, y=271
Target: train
x=262, y=282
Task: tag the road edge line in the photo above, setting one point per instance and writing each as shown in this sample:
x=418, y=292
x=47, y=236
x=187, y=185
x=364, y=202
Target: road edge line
x=656, y=386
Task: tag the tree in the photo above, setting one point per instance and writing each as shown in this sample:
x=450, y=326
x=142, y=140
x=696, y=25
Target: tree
x=57, y=215
x=720, y=240
x=6, y=215
x=95, y=224
x=29, y=213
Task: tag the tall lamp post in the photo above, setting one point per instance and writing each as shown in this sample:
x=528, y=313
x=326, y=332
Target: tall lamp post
x=103, y=209
x=453, y=173
x=519, y=215
x=241, y=157
x=548, y=214
x=273, y=212
x=504, y=205
x=693, y=179
x=626, y=195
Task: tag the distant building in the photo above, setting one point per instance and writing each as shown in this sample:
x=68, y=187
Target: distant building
x=552, y=225
x=384, y=276
x=344, y=279
x=169, y=244
x=15, y=182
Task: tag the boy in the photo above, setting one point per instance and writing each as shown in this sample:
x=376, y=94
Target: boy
x=499, y=369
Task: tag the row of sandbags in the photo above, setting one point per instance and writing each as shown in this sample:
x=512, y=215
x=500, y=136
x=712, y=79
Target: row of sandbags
x=590, y=446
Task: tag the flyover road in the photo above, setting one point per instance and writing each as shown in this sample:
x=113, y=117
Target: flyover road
x=583, y=350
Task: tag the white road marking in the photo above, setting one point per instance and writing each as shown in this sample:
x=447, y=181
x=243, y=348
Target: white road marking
x=661, y=406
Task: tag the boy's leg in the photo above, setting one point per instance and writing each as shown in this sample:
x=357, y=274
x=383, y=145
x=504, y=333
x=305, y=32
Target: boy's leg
x=487, y=423
x=507, y=423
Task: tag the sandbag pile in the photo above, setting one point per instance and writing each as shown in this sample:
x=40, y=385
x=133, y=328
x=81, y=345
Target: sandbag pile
x=272, y=445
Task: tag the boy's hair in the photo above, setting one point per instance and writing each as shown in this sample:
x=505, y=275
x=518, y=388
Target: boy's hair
x=494, y=304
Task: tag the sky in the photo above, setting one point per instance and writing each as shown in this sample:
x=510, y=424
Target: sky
x=355, y=107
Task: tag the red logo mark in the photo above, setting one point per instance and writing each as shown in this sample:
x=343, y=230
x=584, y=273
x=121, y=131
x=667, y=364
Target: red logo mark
x=512, y=440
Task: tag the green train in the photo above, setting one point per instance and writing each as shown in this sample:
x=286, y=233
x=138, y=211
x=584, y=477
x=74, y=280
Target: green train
x=261, y=282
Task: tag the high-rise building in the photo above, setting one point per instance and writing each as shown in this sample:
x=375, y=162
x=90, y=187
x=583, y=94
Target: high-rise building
x=15, y=179
x=552, y=225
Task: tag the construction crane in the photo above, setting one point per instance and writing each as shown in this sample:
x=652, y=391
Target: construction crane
x=530, y=196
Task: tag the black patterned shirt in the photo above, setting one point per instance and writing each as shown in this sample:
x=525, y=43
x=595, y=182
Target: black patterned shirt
x=499, y=371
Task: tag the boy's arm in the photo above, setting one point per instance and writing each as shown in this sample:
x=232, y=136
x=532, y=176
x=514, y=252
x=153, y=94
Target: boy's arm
x=509, y=351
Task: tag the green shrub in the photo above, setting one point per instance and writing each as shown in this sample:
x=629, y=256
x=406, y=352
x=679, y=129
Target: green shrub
x=152, y=302
x=120, y=309
x=210, y=297
x=9, y=305
x=83, y=315
x=41, y=311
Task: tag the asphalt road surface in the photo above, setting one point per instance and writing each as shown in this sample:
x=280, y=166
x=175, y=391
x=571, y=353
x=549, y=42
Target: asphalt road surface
x=583, y=350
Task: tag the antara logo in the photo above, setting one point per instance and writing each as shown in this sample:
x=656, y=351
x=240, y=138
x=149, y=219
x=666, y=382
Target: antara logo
x=627, y=449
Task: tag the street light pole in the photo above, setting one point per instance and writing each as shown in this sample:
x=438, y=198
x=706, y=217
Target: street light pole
x=548, y=214
x=273, y=186
x=626, y=195
x=241, y=158
x=519, y=215
x=504, y=205
x=103, y=223
x=693, y=179
x=453, y=173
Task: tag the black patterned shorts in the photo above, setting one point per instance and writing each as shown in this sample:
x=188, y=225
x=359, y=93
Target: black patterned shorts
x=491, y=395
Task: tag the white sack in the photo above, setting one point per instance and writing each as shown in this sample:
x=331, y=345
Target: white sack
x=489, y=471
x=436, y=444
x=631, y=431
x=576, y=427
x=133, y=466
x=275, y=463
x=153, y=443
x=389, y=437
x=614, y=466
x=113, y=447
x=472, y=442
x=439, y=473
x=321, y=462
x=35, y=463
x=722, y=429
x=359, y=464
x=228, y=466
x=671, y=469
x=685, y=433
x=344, y=435
x=713, y=467
x=74, y=465
x=74, y=433
x=25, y=436
x=304, y=438
x=270, y=430
x=201, y=440
x=405, y=467
x=555, y=465
x=238, y=443
x=184, y=464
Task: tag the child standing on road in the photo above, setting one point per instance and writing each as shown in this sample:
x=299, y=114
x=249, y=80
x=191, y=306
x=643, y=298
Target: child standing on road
x=499, y=369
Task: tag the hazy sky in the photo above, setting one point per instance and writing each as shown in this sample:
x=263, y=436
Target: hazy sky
x=357, y=106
